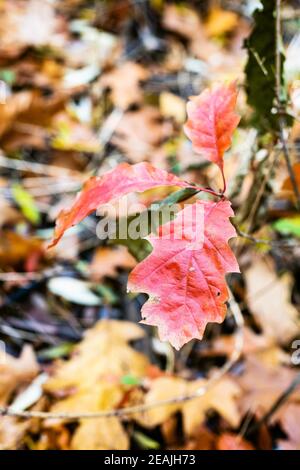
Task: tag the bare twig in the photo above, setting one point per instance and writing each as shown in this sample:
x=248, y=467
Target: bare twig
x=265, y=241
x=276, y=405
x=39, y=168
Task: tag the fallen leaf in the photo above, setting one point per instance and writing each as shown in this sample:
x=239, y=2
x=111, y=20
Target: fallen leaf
x=100, y=434
x=12, y=432
x=16, y=372
x=106, y=262
x=289, y=419
x=8, y=215
x=73, y=135
x=262, y=347
x=91, y=381
x=269, y=301
x=221, y=22
x=220, y=397
x=233, y=442
x=140, y=132
x=203, y=440
x=172, y=106
x=29, y=23
x=15, y=249
x=262, y=384
x=12, y=108
x=124, y=83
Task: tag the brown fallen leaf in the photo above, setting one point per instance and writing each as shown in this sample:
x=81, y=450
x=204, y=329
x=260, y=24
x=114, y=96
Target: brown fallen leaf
x=8, y=215
x=269, y=299
x=12, y=432
x=172, y=106
x=186, y=22
x=289, y=419
x=91, y=381
x=203, y=440
x=253, y=343
x=12, y=108
x=260, y=346
x=15, y=249
x=14, y=374
x=262, y=384
x=124, y=83
x=100, y=434
x=106, y=262
x=220, y=397
x=70, y=134
x=230, y=441
x=29, y=23
x=139, y=132
x=287, y=184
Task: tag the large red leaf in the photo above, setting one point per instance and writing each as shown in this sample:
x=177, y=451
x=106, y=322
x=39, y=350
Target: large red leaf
x=184, y=277
x=99, y=190
x=212, y=120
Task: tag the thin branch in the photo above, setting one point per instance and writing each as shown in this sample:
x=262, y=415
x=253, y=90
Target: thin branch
x=39, y=168
x=276, y=405
x=265, y=241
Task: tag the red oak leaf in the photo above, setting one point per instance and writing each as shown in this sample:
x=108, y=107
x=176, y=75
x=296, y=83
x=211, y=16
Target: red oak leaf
x=185, y=273
x=212, y=120
x=99, y=190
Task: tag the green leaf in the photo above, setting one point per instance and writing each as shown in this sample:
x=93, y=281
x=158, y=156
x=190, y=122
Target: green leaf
x=145, y=442
x=288, y=226
x=260, y=69
x=26, y=203
x=8, y=76
x=130, y=380
x=107, y=293
x=63, y=349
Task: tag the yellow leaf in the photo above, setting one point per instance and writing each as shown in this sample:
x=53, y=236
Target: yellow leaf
x=221, y=22
x=91, y=381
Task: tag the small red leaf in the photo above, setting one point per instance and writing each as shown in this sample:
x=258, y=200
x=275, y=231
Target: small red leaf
x=212, y=121
x=99, y=190
x=184, y=275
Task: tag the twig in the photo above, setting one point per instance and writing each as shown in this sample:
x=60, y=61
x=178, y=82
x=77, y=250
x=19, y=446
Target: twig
x=123, y=412
x=39, y=168
x=264, y=241
x=276, y=405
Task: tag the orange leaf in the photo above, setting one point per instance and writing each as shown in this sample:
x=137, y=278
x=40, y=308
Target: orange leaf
x=100, y=190
x=212, y=120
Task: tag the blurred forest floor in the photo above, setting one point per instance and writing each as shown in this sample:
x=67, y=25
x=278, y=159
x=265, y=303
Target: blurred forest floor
x=85, y=85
